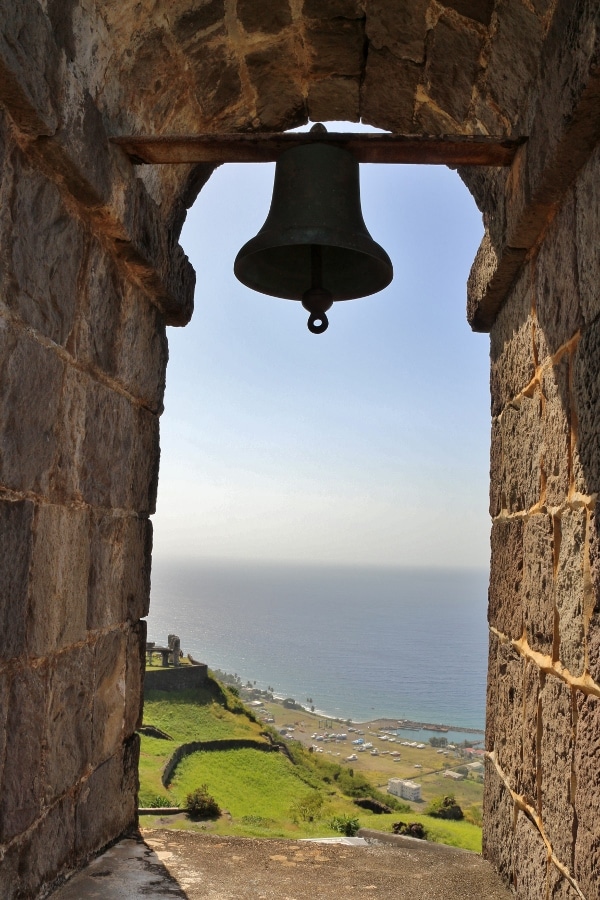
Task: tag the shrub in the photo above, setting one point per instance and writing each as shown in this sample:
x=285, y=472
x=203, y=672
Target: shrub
x=410, y=829
x=444, y=808
x=307, y=807
x=347, y=825
x=200, y=804
x=160, y=800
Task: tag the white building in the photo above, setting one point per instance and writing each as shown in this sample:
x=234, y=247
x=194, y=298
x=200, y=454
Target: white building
x=457, y=776
x=408, y=790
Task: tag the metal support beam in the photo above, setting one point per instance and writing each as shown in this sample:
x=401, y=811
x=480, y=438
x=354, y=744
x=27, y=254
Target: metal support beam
x=445, y=150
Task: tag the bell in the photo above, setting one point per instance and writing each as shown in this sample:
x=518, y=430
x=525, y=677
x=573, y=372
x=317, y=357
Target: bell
x=314, y=245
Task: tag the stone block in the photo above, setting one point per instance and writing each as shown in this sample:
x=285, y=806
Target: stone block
x=70, y=431
x=334, y=99
x=16, y=520
x=109, y=695
x=29, y=68
x=21, y=797
x=478, y=10
x=505, y=610
x=142, y=350
x=218, y=85
x=59, y=577
x=5, y=683
x=538, y=582
x=453, y=52
x=559, y=887
x=280, y=98
x=587, y=228
x=204, y=15
x=530, y=862
x=134, y=681
x=97, y=328
x=556, y=755
x=336, y=47
x=586, y=395
x=492, y=692
x=513, y=56
x=511, y=346
x=498, y=817
x=69, y=732
x=144, y=464
x=430, y=118
x=145, y=78
x=557, y=297
x=496, y=470
x=587, y=754
x=542, y=6
x=48, y=850
x=265, y=16
x=119, y=452
x=332, y=9
x=531, y=690
x=398, y=28
x=569, y=590
x=46, y=247
x=520, y=428
x=96, y=821
x=556, y=447
x=119, y=576
x=388, y=91
x=29, y=403
x=510, y=714
x=592, y=610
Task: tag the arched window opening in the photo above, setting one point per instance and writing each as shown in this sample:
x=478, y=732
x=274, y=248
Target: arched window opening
x=322, y=524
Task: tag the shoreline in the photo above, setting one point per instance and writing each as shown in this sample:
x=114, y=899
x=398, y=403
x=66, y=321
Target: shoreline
x=399, y=724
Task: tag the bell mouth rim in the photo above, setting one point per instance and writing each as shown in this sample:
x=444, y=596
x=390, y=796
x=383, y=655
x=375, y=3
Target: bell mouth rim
x=382, y=271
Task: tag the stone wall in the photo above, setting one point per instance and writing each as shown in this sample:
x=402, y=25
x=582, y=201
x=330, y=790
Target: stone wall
x=78, y=472
x=177, y=678
x=86, y=287
x=543, y=723
x=90, y=275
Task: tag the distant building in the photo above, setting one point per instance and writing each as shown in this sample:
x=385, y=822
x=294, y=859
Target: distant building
x=408, y=790
x=457, y=776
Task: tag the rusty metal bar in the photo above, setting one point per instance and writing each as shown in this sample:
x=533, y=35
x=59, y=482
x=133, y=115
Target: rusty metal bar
x=446, y=150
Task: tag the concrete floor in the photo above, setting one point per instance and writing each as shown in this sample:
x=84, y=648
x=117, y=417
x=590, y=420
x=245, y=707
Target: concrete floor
x=202, y=867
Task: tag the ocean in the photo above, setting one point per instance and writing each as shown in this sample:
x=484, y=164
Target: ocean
x=361, y=642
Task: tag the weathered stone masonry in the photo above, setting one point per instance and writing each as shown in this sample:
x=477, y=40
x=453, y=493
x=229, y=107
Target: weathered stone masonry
x=90, y=275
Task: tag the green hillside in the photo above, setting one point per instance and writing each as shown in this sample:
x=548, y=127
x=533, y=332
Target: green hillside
x=261, y=793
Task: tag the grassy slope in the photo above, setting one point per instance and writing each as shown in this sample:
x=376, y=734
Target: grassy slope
x=257, y=789
x=193, y=715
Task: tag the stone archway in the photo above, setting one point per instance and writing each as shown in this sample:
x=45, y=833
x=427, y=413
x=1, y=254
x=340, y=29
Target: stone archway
x=90, y=273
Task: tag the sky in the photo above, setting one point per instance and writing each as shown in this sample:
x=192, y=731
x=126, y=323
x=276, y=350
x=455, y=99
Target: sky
x=368, y=444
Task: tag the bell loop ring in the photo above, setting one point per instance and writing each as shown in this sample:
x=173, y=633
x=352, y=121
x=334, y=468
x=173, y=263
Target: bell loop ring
x=317, y=323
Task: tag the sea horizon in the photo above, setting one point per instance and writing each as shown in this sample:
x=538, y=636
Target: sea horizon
x=362, y=641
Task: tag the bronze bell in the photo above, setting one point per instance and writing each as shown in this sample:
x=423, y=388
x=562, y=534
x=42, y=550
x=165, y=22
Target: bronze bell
x=314, y=245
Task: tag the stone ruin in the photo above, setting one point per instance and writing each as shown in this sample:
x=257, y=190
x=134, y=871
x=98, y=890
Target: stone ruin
x=169, y=655
x=91, y=273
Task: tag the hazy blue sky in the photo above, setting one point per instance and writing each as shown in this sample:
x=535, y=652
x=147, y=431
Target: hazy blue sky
x=366, y=444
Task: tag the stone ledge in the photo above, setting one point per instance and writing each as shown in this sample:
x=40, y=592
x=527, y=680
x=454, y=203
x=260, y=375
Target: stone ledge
x=203, y=867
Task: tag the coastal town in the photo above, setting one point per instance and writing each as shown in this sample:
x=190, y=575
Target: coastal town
x=386, y=749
